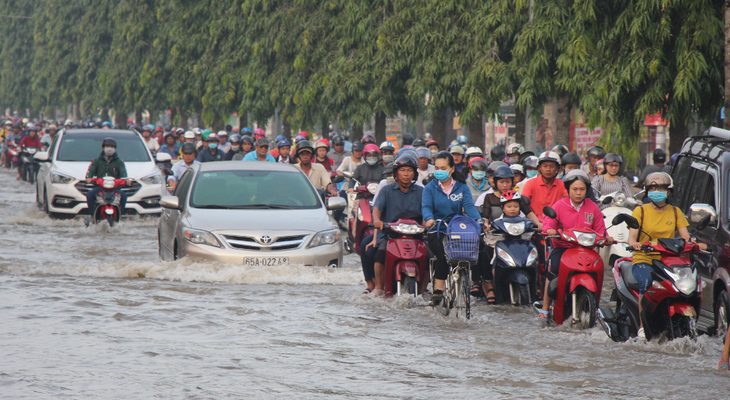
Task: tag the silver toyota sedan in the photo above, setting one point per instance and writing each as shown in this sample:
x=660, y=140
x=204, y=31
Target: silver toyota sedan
x=250, y=213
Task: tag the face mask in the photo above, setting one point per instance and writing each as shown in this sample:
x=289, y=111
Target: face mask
x=441, y=175
x=109, y=151
x=213, y=146
x=532, y=173
x=657, y=196
x=390, y=180
x=478, y=175
x=434, y=153
x=235, y=148
x=388, y=159
x=514, y=160
x=371, y=160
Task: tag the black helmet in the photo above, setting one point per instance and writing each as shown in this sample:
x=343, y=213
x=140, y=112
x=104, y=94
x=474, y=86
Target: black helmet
x=246, y=139
x=405, y=160
x=503, y=171
x=596, y=151
x=338, y=140
x=188, y=148
x=235, y=138
x=494, y=165
x=407, y=139
x=561, y=150
x=612, y=157
x=497, y=153
x=109, y=142
x=571, y=158
x=478, y=165
x=419, y=142
x=357, y=146
x=659, y=156
x=368, y=139
x=16, y=125
x=304, y=145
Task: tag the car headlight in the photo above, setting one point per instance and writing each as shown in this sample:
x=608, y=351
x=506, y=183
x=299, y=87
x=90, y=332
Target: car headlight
x=60, y=178
x=325, y=237
x=506, y=257
x=153, y=179
x=515, y=229
x=685, y=279
x=372, y=187
x=532, y=257
x=407, y=229
x=201, y=237
x=586, y=239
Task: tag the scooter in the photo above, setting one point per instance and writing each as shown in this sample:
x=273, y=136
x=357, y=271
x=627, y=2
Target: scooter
x=618, y=203
x=12, y=156
x=577, y=289
x=361, y=215
x=669, y=306
x=108, y=201
x=29, y=170
x=406, y=258
x=516, y=260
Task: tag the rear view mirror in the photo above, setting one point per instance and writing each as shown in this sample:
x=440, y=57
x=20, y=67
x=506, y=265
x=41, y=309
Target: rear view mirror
x=338, y=179
x=700, y=213
x=631, y=222
x=704, y=223
x=607, y=200
x=336, y=203
x=41, y=157
x=163, y=157
x=549, y=212
x=347, y=174
x=171, y=202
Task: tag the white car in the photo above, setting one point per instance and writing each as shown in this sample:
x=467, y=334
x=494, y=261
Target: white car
x=61, y=186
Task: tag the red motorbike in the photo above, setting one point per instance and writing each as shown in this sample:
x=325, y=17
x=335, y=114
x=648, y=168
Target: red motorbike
x=406, y=258
x=108, y=201
x=13, y=155
x=577, y=289
x=359, y=224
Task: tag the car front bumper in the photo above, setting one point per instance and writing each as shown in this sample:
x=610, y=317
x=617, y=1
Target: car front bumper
x=323, y=256
x=67, y=199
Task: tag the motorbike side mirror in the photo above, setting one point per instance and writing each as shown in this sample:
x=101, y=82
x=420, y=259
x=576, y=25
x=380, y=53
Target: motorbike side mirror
x=631, y=222
x=171, y=202
x=549, y=212
x=347, y=174
x=338, y=179
x=41, y=157
x=163, y=158
x=336, y=203
x=607, y=200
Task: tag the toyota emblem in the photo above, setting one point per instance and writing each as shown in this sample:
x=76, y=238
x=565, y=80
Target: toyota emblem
x=265, y=239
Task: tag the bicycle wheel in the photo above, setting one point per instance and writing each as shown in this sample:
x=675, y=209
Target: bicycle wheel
x=448, y=301
x=462, y=298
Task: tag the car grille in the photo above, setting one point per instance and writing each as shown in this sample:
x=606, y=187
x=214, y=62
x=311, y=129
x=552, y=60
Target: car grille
x=130, y=190
x=277, y=243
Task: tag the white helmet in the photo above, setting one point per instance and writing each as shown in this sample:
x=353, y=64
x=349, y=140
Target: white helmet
x=549, y=156
x=189, y=135
x=518, y=168
x=474, y=151
x=222, y=133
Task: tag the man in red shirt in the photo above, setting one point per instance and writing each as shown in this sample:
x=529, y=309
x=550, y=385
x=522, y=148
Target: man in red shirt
x=29, y=140
x=545, y=189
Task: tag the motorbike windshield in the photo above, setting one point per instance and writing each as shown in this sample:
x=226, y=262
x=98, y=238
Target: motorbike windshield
x=87, y=146
x=244, y=189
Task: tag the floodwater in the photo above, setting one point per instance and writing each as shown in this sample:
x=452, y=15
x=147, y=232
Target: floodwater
x=91, y=314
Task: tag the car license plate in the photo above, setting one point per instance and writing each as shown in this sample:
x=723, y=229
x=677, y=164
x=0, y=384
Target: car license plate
x=265, y=261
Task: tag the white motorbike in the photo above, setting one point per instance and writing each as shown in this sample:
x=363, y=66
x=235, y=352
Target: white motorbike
x=618, y=203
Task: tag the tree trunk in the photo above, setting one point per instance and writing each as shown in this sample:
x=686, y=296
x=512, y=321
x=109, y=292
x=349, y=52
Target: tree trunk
x=677, y=134
x=356, y=132
x=286, y=129
x=439, y=127
x=476, y=133
x=727, y=65
x=138, y=117
x=325, y=128
x=520, y=125
x=449, y=126
x=419, y=126
x=565, y=105
x=380, y=127
x=173, y=115
x=104, y=114
x=77, y=110
x=183, y=118
x=217, y=123
x=243, y=120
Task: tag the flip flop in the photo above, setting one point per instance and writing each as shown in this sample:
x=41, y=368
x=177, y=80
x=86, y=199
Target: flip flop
x=367, y=291
x=476, y=290
x=541, y=314
x=491, y=298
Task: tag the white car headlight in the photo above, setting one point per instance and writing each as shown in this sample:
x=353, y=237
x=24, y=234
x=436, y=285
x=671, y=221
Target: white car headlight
x=153, y=179
x=506, y=257
x=515, y=229
x=586, y=239
x=685, y=279
x=532, y=257
x=407, y=229
x=61, y=178
x=325, y=237
x=372, y=187
x=201, y=237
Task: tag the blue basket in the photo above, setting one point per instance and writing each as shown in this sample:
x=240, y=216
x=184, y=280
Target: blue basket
x=462, y=247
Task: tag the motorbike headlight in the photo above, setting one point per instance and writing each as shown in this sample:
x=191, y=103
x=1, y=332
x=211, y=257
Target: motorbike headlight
x=407, y=229
x=685, y=279
x=372, y=187
x=506, y=257
x=201, y=237
x=60, y=178
x=108, y=183
x=586, y=239
x=515, y=229
x=325, y=237
x=532, y=257
x=153, y=179
x=32, y=150
x=620, y=199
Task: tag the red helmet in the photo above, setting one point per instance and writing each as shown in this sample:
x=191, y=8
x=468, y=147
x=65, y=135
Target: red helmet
x=371, y=148
x=259, y=132
x=431, y=143
x=368, y=139
x=509, y=195
x=305, y=134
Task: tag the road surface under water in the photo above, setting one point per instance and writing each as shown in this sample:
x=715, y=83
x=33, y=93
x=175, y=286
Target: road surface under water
x=89, y=314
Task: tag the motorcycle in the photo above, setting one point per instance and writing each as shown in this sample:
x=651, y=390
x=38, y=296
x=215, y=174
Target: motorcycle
x=577, y=289
x=358, y=227
x=108, y=201
x=12, y=155
x=618, y=203
x=669, y=306
x=516, y=260
x=30, y=167
x=406, y=258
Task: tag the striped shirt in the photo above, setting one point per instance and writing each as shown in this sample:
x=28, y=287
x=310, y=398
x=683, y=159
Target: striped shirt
x=602, y=187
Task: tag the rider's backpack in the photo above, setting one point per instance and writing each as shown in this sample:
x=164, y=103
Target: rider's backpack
x=462, y=239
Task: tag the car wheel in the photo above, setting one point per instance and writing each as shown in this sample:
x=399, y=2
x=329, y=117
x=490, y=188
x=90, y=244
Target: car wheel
x=722, y=314
x=175, y=255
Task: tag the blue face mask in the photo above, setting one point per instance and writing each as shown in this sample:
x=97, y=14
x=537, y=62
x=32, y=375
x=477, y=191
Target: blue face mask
x=213, y=146
x=657, y=196
x=532, y=173
x=478, y=175
x=441, y=175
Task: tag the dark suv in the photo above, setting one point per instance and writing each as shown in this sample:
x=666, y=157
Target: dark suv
x=701, y=182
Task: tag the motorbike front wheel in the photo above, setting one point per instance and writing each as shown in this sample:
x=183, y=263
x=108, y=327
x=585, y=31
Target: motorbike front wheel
x=520, y=294
x=681, y=326
x=586, y=309
x=110, y=220
x=407, y=286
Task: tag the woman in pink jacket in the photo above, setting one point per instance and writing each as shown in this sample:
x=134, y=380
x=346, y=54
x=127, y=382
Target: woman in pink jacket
x=575, y=211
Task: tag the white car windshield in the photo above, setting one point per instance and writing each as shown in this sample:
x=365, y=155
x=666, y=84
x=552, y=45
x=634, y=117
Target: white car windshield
x=244, y=189
x=87, y=146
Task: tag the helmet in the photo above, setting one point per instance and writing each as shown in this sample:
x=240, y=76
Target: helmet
x=158, y=129
x=282, y=143
x=280, y=138
x=494, y=165
x=172, y=135
x=419, y=142
x=235, y=138
x=407, y=139
x=530, y=162
x=189, y=135
x=503, y=171
x=259, y=132
x=109, y=142
x=474, y=152
x=179, y=131
x=26, y=120
x=517, y=169
x=246, y=139
x=303, y=134
x=509, y=195
x=427, y=136
x=659, y=156
x=117, y=126
x=32, y=127
x=371, y=148
x=246, y=131
x=405, y=160
x=549, y=156
x=457, y=150
x=368, y=139
x=304, y=145
x=515, y=148
x=497, y=153
x=576, y=174
x=596, y=151
x=423, y=152
x=357, y=146
x=612, y=157
x=478, y=164
x=106, y=123
x=322, y=143
x=387, y=146
x=212, y=138
x=188, y=148
x=461, y=139
x=299, y=137
x=222, y=133
x=337, y=139
x=660, y=179
x=407, y=150
x=52, y=126
x=205, y=134
x=148, y=128
x=16, y=125
x=571, y=158
x=432, y=143
x=561, y=150
x=673, y=159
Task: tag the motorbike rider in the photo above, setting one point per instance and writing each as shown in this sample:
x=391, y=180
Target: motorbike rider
x=399, y=199
x=575, y=211
x=406, y=140
x=462, y=141
x=179, y=168
x=569, y=162
x=424, y=164
x=457, y=153
x=497, y=153
x=47, y=139
x=477, y=178
x=321, y=148
x=29, y=140
x=514, y=151
x=338, y=154
x=659, y=220
x=370, y=171
x=386, y=151
x=349, y=164
x=151, y=142
x=316, y=173
x=519, y=172
x=171, y=146
x=246, y=147
x=210, y=153
x=446, y=195
x=546, y=189
x=659, y=156
x=235, y=148
x=433, y=147
x=107, y=164
x=223, y=144
x=600, y=168
x=284, y=150
x=471, y=153
x=261, y=153
x=594, y=154
x=561, y=150
x=611, y=180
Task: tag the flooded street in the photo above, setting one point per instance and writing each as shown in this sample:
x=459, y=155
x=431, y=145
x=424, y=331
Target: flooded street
x=88, y=314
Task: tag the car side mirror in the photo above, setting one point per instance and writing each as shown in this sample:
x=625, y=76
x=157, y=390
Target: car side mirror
x=41, y=157
x=338, y=179
x=163, y=158
x=336, y=203
x=700, y=213
x=549, y=212
x=171, y=202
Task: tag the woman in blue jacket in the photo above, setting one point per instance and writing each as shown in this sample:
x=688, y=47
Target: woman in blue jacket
x=446, y=195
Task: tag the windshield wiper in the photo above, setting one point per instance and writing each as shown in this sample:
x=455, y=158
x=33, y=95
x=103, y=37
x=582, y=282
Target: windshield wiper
x=213, y=206
x=263, y=206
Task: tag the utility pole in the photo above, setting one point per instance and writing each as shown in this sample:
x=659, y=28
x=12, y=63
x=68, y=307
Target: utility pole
x=530, y=139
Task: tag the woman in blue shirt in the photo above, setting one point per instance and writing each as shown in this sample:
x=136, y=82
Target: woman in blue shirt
x=446, y=195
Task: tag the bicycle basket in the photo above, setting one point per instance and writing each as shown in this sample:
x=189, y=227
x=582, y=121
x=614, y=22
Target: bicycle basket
x=462, y=240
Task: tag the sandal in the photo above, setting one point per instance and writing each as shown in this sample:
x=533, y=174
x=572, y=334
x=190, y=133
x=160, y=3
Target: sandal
x=476, y=290
x=491, y=298
x=367, y=291
x=543, y=315
x=438, y=295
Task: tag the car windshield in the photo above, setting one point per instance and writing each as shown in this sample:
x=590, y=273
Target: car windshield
x=87, y=146
x=245, y=189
